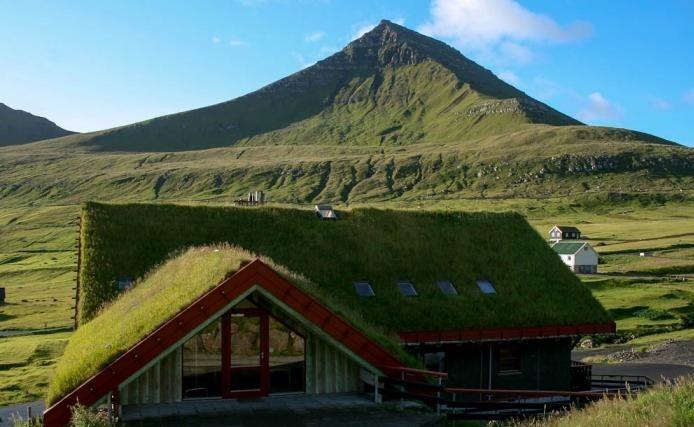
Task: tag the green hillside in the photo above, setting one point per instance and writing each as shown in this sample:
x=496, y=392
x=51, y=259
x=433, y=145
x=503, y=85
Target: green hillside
x=392, y=86
x=582, y=161
x=394, y=115
x=20, y=127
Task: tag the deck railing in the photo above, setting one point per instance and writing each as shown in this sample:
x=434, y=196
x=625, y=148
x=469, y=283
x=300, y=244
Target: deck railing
x=476, y=403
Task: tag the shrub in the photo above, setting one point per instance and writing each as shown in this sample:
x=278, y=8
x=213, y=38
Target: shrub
x=19, y=421
x=85, y=417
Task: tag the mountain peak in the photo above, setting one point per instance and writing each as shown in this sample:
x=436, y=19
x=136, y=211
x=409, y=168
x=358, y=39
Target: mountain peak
x=19, y=127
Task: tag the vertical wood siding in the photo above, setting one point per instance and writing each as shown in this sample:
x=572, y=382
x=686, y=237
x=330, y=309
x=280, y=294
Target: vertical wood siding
x=158, y=384
x=328, y=370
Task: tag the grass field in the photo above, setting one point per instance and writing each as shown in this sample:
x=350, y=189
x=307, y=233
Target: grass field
x=646, y=306
x=665, y=405
x=37, y=262
x=26, y=363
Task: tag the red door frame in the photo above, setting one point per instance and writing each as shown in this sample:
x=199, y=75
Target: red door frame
x=264, y=367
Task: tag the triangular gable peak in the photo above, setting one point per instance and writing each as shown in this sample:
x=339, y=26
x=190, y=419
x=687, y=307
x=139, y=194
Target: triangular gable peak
x=211, y=305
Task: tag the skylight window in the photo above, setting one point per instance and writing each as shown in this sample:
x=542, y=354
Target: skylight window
x=485, y=286
x=447, y=287
x=407, y=288
x=364, y=289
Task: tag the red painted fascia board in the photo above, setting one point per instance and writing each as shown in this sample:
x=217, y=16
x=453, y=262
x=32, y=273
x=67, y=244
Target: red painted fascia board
x=256, y=272
x=492, y=334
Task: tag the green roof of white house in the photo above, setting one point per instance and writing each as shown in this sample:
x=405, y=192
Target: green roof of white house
x=566, y=248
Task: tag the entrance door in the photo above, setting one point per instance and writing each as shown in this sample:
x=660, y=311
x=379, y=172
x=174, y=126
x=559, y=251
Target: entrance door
x=245, y=362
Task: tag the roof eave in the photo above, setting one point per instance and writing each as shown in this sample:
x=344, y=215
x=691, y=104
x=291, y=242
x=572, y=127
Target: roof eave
x=505, y=334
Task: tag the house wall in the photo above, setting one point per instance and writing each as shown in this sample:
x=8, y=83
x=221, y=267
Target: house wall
x=158, y=384
x=545, y=365
x=586, y=256
x=327, y=370
x=568, y=260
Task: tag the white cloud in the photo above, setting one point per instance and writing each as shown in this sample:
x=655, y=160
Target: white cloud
x=399, y=21
x=301, y=59
x=314, y=37
x=216, y=40
x=516, y=52
x=502, y=28
x=236, y=43
x=328, y=50
x=599, y=108
x=688, y=97
x=660, y=104
x=509, y=77
x=363, y=30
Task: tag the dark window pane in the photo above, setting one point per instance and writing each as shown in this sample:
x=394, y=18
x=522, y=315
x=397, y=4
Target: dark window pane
x=245, y=352
x=486, y=286
x=286, y=359
x=447, y=287
x=202, y=363
x=407, y=288
x=364, y=289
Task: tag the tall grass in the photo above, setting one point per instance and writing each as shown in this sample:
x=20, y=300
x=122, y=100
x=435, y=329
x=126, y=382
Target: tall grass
x=140, y=311
x=669, y=404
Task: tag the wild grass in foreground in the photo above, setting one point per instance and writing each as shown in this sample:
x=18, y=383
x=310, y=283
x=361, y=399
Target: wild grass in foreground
x=670, y=404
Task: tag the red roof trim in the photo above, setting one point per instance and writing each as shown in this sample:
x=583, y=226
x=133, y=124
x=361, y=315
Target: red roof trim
x=496, y=334
x=175, y=329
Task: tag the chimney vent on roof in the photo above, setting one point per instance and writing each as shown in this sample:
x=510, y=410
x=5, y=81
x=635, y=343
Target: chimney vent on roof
x=325, y=212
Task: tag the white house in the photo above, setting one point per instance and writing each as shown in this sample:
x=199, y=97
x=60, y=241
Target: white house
x=564, y=232
x=579, y=256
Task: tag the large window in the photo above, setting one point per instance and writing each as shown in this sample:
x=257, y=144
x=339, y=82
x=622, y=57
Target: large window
x=287, y=358
x=202, y=364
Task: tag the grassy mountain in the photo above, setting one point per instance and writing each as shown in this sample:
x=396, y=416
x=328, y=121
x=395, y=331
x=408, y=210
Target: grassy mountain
x=20, y=127
x=394, y=115
x=392, y=86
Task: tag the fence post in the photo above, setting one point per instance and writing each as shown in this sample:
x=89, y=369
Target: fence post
x=402, y=391
x=376, y=381
x=438, y=397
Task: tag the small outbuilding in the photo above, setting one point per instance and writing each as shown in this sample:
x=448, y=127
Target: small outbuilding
x=580, y=257
x=325, y=212
x=564, y=232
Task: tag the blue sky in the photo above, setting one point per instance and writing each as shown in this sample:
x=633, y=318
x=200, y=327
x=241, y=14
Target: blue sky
x=91, y=65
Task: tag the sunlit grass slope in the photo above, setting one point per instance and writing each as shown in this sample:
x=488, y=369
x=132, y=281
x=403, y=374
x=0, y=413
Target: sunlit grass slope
x=667, y=405
x=138, y=312
x=162, y=294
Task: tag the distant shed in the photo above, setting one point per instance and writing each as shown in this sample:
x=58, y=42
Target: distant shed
x=325, y=212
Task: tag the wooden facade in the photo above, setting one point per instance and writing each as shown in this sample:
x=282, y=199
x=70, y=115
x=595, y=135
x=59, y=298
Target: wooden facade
x=328, y=370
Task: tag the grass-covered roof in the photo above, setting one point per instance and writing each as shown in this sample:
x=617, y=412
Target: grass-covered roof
x=533, y=286
x=323, y=258
x=159, y=296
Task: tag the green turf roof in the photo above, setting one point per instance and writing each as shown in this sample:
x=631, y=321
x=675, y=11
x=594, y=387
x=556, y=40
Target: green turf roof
x=324, y=259
x=567, y=248
x=158, y=297
x=380, y=246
